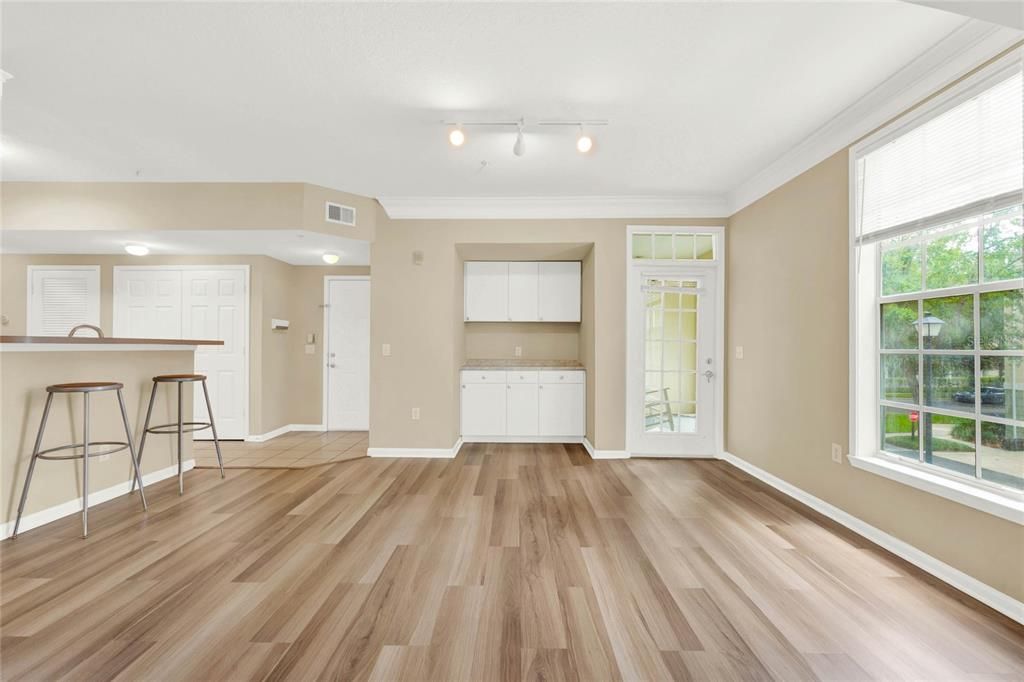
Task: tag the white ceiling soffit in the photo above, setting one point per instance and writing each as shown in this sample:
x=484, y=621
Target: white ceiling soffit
x=295, y=247
x=481, y=208
x=963, y=50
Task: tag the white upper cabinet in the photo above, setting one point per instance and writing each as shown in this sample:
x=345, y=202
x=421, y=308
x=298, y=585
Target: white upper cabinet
x=522, y=291
x=486, y=291
x=559, y=291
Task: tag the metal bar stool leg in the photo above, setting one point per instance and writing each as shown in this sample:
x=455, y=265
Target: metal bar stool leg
x=181, y=473
x=32, y=463
x=131, y=448
x=145, y=429
x=85, y=467
x=213, y=427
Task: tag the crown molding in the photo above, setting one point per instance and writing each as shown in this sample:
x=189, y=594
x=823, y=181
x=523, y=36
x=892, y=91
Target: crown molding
x=970, y=45
x=486, y=208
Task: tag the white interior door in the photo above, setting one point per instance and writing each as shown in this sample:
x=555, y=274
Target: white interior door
x=214, y=304
x=175, y=302
x=348, y=354
x=673, y=362
x=147, y=303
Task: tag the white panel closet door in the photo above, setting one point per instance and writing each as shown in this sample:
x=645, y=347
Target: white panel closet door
x=147, y=304
x=348, y=355
x=213, y=303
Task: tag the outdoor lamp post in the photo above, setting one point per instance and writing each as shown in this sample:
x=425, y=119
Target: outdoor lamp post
x=929, y=326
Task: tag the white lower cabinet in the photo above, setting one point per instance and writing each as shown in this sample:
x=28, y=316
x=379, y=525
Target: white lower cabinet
x=523, y=405
x=483, y=408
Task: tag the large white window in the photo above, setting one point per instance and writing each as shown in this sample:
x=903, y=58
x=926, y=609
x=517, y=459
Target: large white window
x=937, y=344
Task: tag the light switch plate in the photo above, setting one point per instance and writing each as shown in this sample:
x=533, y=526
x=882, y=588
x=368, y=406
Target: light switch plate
x=310, y=349
x=415, y=414
x=385, y=349
x=739, y=352
x=837, y=453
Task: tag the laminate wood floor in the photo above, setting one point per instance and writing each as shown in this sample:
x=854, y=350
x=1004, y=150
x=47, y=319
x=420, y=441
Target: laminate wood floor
x=509, y=562
x=297, y=450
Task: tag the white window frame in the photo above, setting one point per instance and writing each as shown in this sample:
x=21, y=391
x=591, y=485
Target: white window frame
x=864, y=419
x=32, y=319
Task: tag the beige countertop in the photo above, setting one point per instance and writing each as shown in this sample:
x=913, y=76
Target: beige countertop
x=519, y=363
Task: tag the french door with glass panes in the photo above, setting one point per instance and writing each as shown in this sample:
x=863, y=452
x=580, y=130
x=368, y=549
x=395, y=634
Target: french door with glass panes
x=673, y=364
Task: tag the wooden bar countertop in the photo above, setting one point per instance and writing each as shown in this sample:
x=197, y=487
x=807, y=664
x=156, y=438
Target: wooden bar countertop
x=93, y=342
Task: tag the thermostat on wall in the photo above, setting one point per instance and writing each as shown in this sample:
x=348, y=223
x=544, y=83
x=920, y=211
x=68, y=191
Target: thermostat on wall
x=278, y=324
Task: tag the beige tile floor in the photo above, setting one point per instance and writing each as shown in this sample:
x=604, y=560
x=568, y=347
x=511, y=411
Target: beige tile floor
x=297, y=450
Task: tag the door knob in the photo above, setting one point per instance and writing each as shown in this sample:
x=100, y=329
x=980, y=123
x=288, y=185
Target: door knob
x=708, y=374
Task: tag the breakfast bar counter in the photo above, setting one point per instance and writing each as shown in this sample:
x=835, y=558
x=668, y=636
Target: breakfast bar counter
x=28, y=364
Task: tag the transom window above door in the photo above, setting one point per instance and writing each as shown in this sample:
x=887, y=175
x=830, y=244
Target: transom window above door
x=673, y=246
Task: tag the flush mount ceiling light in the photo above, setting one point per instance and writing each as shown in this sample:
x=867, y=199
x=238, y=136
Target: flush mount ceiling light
x=331, y=258
x=137, y=249
x=584, y=141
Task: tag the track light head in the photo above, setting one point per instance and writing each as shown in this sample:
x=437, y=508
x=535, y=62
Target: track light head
x=456, y=137
x=519, y=148
x=584, y=143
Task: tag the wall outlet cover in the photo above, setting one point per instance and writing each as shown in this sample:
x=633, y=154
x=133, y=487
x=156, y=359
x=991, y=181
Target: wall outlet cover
x=415, y=413
x=385, y=349
x=837, y=453
x=519, y=351
x=739, y=352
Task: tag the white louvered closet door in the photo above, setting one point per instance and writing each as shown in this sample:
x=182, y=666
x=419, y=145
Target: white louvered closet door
x=62, y=298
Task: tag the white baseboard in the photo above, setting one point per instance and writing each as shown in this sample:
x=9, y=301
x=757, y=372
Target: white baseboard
x=280, y=431
x=434, y=453
x=990, y=596
x=523, y=439
x=604, y=454
x=74, y=506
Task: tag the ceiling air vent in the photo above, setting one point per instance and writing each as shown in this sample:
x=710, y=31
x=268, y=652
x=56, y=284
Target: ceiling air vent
x=343, y=215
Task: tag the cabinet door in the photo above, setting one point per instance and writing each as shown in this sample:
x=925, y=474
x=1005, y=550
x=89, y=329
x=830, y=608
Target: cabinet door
x=483, y=409
x=486, y=291
x=522, y=291
x=522, y=409
x=561, y=409
x=559, y=291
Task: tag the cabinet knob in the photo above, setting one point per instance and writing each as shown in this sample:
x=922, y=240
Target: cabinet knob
x=540, y=387
x=561, y=376
x=463, y=385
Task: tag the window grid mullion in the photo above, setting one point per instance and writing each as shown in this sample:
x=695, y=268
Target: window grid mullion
x=977, y=371
x=920, y=378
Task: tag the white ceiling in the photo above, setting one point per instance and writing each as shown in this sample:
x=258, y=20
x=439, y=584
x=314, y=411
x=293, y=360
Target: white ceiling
x=291, y=246
x=700, y=96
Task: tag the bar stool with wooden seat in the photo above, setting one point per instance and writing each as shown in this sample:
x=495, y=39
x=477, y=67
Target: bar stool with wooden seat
x=86, y=389
x=180, y=427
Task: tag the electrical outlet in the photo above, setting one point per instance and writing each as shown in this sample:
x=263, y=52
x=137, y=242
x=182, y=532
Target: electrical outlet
x=385, y=349
x=519, y=351
x=837, y=453
x=415, y=414
x=739, y=352
x=310, y=349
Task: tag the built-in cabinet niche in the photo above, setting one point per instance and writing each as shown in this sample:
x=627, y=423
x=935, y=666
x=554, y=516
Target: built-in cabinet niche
x=522, y=291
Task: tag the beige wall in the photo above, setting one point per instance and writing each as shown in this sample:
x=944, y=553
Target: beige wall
x=179, y=206
x=279, y=367
x=418, y=310
x=787, y=399
x=538, y=340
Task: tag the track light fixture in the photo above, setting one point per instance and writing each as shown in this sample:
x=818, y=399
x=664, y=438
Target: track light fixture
x=584, y=140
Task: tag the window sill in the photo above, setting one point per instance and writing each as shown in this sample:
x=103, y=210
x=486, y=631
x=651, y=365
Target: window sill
x=1007, y=507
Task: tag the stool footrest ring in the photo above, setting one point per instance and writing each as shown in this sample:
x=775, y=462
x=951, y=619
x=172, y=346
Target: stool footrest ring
x=44, y=454
x=173, y=428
